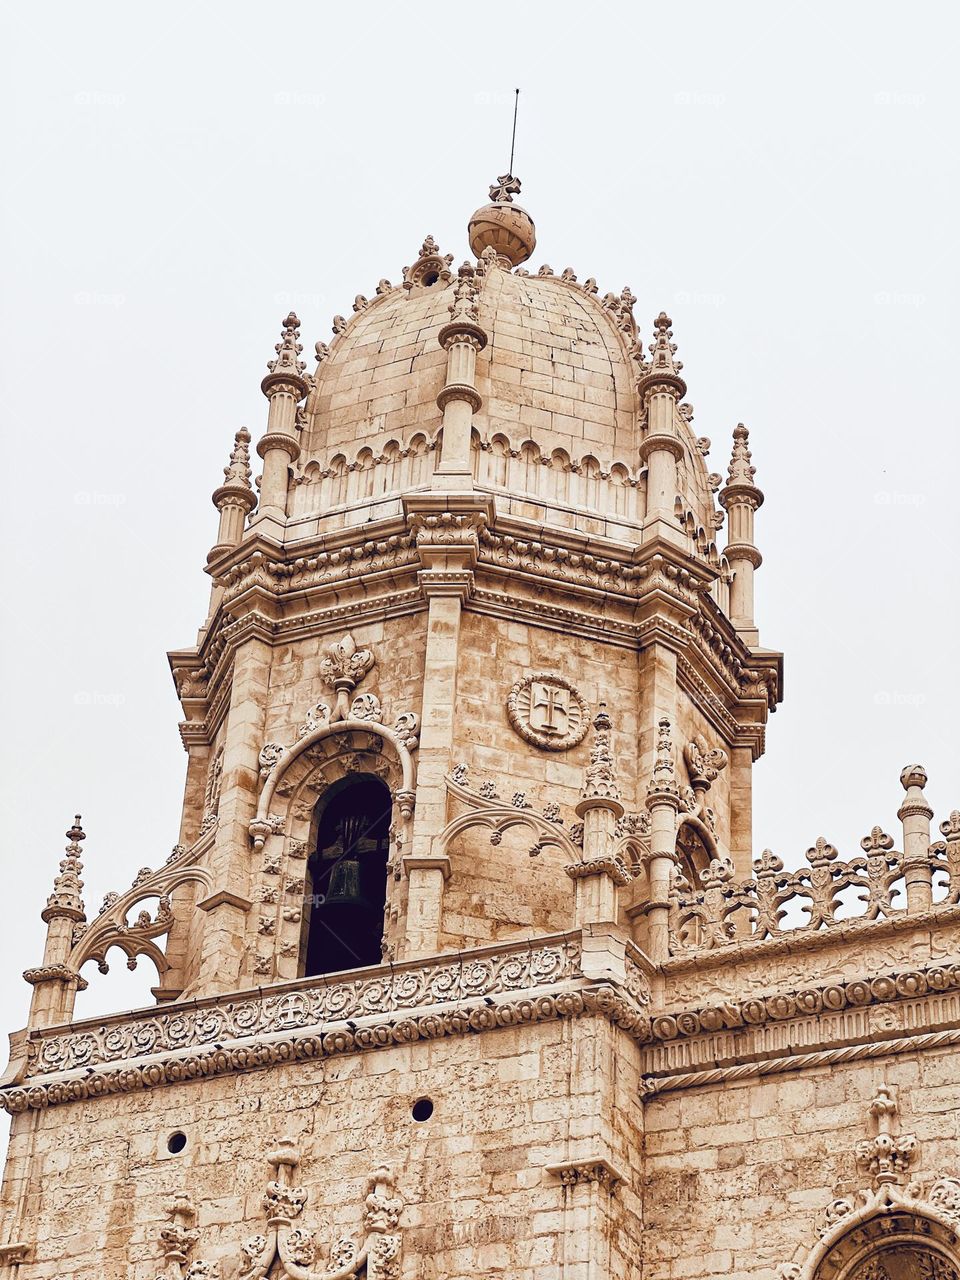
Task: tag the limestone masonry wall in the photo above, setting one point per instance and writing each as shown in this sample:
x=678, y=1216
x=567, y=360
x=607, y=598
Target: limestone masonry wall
x=91, y=1181
x=736, y=1176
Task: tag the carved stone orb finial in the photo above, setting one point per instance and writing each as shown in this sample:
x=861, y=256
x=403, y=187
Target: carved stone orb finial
x=503, y=225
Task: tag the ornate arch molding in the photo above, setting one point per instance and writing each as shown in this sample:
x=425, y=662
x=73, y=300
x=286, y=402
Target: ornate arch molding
x=706, y=836
x=295, y=779
x=894, y=1220
x=114, y=927
x=276, y=762
x=893, y=1224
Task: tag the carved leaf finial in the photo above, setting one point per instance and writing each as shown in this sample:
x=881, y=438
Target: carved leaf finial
x=662, y=350
x=288, y=349
x=237, y=469
x=703, y=764
x=663, y=783
x=66, y=899
x=741, y=470
x=889, y=1155
x=600, y=780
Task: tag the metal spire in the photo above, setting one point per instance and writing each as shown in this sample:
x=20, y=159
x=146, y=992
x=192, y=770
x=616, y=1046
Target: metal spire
x=513, y=138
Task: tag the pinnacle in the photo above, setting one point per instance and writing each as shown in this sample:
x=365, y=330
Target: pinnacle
x=288, y=363
x=238, y=468
x=662, y=350
x=741, y=470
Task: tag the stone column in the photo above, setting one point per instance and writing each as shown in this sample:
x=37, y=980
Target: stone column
x=284, y=386
x=54, y=984
x=447, y=533
x=663, y=802
x=224, y=944
x=661, y=388
x=459, y=400
x=741, y=811
x=599, y=875
x=915, y=814
x=740, y=497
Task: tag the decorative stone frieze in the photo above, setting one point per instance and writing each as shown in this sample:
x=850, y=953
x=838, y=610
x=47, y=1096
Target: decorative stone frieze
x=447, y=980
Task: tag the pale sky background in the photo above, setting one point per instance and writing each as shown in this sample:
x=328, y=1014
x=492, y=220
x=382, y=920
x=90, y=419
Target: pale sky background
x=782, y=178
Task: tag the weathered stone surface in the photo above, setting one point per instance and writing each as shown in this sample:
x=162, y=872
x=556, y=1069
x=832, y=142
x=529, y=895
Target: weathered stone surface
x=587, y=1031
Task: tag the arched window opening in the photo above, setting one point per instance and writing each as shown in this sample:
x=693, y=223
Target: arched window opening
x=346, y=883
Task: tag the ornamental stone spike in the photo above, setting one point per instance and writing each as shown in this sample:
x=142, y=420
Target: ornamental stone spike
x=600, y=872
x=600, y=781
x=234, y=499
x=238, y=468
x=288, y=349
x=661, y=389
x=65, y=900
x=740, y=498
x=284, y=386
x=55, y=984
x=462, y=338
x=662, y=350
x=915, y=814
x=663, y=787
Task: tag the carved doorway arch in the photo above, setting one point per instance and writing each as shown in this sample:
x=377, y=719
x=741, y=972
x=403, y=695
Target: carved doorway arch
x=895, y=1244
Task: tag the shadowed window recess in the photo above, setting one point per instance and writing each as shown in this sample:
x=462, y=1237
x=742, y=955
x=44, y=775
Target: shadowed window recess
x=346, y=881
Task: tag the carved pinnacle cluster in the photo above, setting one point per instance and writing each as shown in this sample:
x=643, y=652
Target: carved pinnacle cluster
x=663, y=784
x=740, y=470
x=600, y=782
x=662, y=371
x=289, y=1250
x=66, y=899
x=236, y=489
x=287, y=370
x=662, y=350
x=238, y=468
x=288, y=348
x=466, y=296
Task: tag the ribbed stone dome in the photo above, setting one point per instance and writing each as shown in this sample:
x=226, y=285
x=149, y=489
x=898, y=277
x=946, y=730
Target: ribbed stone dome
x=556, y=375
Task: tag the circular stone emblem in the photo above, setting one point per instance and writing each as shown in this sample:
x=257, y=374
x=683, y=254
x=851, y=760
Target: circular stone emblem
x=547, y=710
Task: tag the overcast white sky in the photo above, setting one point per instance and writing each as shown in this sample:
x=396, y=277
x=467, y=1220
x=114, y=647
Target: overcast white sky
x=782, y=178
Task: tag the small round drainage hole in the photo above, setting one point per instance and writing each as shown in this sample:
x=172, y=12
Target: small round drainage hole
x=422, y=1109
x=176, y=1142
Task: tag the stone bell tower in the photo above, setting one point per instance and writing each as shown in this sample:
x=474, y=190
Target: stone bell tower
x=462, y=950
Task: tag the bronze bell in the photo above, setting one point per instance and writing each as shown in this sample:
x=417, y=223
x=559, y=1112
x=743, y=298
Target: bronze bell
x=344, y=883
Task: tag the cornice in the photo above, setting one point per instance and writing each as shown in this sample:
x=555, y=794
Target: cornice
x=509, y=985
x=658, y=591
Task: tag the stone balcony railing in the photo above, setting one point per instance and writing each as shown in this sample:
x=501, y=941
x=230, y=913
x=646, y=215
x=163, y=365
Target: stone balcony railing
x=828, y=891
